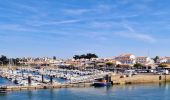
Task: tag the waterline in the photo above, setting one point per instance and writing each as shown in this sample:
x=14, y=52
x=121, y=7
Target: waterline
x=131, y=92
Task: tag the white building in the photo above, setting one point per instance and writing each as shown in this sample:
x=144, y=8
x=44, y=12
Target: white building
x=164, y=60
x=144, y=60
x=126, y=59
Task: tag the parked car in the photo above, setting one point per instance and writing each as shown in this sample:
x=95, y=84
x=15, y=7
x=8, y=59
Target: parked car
x=162, y=72
x=130, y=72
x=142, y=71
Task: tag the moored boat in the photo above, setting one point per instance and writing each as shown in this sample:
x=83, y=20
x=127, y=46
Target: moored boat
x=3, y=90
x=102, y=83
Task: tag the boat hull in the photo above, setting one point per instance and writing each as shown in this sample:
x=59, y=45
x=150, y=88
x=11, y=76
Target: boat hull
x=102, y=84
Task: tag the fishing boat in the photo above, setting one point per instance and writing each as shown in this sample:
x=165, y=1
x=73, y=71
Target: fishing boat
x=102, y=82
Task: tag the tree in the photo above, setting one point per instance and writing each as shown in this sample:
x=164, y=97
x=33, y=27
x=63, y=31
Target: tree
x=162, y=65
x=109, y=64
x=118, y=66
x=4, y=60
x=15, y=61
x=54, y=58
x=85, y=56
x=137, y=65
x=76, y=57
x=156, y=58
x=90, y=55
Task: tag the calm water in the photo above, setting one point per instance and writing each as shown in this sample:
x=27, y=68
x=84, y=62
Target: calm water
x=132, y=92
x=4, y=81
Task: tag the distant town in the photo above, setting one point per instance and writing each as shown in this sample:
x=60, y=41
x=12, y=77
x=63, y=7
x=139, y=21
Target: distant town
x=82, y=71
x=91, y=61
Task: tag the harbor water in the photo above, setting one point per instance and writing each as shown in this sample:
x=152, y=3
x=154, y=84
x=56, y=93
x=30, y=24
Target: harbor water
x=131, y=92
x=4, y=81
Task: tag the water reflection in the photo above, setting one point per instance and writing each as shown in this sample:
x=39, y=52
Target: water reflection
x=132, y=92
x=51, y=94
x=30, y=95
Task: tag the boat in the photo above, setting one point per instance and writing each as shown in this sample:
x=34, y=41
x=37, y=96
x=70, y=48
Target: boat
x=3, y=90
x=102, y=83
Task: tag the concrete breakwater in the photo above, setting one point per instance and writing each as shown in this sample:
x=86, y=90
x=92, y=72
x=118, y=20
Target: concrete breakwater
x=20, y=88
x=137, y=79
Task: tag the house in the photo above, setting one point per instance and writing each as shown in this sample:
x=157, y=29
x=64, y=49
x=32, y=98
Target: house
x=163, y=60
x=126, y=59
x=147, y=62
x=144, y=60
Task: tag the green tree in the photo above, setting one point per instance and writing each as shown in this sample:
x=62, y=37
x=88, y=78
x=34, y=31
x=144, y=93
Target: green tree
x=90, y=55
x=156, y=58
x=162, y=65
x=109, y=63
x=137, y=65
x=4, y=60
x=85, y=56
x=54, y=58
x=118, y=66
x=76, y=57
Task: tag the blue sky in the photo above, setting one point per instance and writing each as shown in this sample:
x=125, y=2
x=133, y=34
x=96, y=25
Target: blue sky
x=67, y=27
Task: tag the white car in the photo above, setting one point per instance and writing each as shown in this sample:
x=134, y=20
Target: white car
x=162, y=72
x=130, y=72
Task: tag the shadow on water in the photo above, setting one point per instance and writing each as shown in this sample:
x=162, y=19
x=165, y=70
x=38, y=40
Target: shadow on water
x=3, y=94
x=107, y=88
x=164, y=85
x=134, y=86
x=30, y=95
x=52, y=94
x=117, y=92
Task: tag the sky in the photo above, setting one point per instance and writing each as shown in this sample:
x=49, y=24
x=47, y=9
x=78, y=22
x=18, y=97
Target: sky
x=63, y=28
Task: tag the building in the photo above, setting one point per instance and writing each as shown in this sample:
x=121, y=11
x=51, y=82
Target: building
x=30, y=61
x=144, y=60
x=126, y=59
x=163, y=60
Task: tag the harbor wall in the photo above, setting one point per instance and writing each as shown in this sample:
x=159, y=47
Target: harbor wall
x=135, y=79
x=20, y=88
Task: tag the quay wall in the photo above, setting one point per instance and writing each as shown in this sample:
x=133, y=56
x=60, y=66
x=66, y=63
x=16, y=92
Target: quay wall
x=20, y=88
x=135, y=79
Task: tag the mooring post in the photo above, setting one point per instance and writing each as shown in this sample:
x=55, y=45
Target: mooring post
x=42, y=78
x=29, y=80
x=51, y=79
x=107, y=78
x=22, y=73
x=160, y=77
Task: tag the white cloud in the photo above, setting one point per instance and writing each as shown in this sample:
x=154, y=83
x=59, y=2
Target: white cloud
x=101, y=8
x=41, y=23
x=101, y=24
x=137, y=36
x=76, y=11
x=16, y=27
x=104, y=8
x=131, y=33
